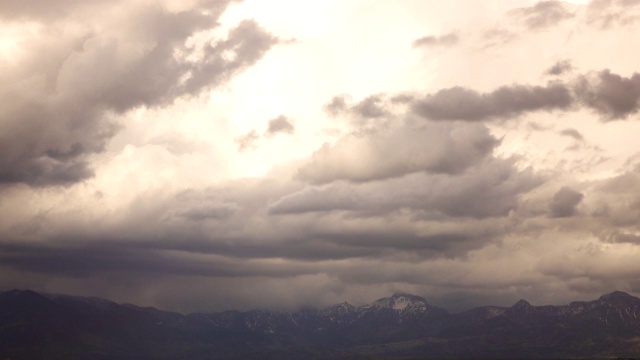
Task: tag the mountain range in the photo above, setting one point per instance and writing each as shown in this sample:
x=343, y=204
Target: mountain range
x=38, y=326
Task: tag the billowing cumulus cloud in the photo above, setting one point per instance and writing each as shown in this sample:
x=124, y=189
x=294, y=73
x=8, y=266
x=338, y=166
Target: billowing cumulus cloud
x=430, y=147
x=58, y=102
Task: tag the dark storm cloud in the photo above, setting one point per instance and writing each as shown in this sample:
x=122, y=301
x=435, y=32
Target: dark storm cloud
x=458, y=103
x=45, y=171
x=564, y=202
x=559, y=68
x=388, y=153
x=543, y=14
x=57, y=102
x=572, y=133
x=270, y=228
x=281, y=124
x=444, y=40
x=88, y=259
x=612, y=96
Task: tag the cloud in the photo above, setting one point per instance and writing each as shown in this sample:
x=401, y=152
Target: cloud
x=612, y=96
x=247, y=141
x=337, y=105
x=458, y=103
x=543, y=14
x=497, y=37
x=405, y=149
x=371, y=107
x=59, y=101
x=564, y=202
x=559, y=68
x=572, y=133
x=280, y=124
x=444, y=40
x=618, y=236
x=90, y=260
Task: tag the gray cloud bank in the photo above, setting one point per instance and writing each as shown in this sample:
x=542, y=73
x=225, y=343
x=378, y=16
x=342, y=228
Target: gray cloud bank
x=612, y=96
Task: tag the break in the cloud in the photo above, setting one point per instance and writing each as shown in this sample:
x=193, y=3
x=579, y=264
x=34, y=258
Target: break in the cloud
x=197, y=156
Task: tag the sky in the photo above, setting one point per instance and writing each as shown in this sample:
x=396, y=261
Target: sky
x=207, y=155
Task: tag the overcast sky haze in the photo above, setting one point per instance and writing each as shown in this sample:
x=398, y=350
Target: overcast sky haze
x=206, y=155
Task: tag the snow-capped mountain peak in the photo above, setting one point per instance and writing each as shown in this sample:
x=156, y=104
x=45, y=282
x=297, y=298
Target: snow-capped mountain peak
x=339, y=309
x=400, y=302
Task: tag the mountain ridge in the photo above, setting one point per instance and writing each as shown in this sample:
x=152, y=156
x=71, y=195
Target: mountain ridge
x=399, y=325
